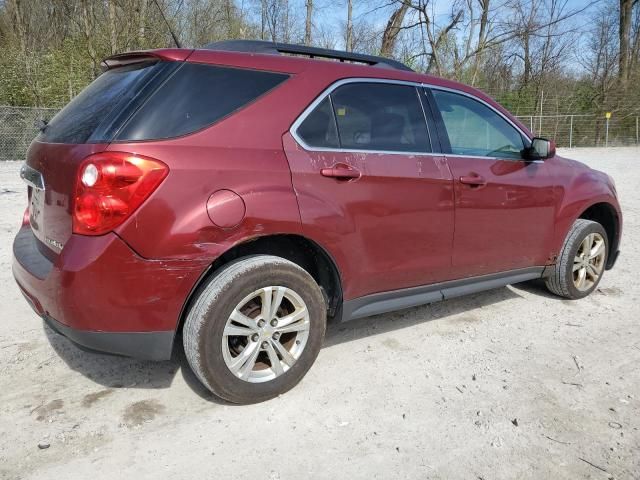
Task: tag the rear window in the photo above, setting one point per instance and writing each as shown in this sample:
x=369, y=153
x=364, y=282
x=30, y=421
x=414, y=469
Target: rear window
x=77, y=122
x=158, y=100
x=194, y=97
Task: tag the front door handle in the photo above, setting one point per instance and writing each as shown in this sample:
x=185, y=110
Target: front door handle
x=473, y=180
x=341, y=171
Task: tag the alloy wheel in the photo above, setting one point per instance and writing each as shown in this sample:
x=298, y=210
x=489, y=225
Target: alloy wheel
x=588, y=262
x=265, y=334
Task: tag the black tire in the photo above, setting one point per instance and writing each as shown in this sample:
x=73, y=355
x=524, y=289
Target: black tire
x=208, y=315
x=560, y=281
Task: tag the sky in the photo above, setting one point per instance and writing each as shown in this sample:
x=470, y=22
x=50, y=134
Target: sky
x=333, y=13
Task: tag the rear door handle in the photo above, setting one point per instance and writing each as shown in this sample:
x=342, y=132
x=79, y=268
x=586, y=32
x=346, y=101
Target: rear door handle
x=341, y=171
x=473, y=180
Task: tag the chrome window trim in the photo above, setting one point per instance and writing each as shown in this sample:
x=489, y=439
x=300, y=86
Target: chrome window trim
x=31, y=177
x=506, y=159
x=326, y=92
x=420, y=94
x=305, y=113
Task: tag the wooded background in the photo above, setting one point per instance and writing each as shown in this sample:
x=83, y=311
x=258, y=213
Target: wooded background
x=543, y=59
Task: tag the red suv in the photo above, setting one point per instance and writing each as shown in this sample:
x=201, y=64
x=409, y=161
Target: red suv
x=238, y=196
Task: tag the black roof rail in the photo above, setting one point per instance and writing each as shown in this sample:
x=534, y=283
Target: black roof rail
x=276, y=48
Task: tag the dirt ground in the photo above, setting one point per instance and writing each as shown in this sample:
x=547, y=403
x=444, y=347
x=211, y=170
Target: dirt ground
x=508, y=384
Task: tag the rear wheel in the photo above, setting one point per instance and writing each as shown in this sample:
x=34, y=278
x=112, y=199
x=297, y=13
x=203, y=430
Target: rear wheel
x=255, y=329
x=582, y=261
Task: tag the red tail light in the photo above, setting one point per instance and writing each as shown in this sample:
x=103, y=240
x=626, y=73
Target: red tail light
x=109, y=188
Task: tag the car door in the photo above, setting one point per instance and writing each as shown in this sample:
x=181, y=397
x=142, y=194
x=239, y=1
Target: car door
x=369, y=190
x=504, y=205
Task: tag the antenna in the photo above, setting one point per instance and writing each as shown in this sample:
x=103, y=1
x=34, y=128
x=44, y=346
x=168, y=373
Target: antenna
x=173, y=35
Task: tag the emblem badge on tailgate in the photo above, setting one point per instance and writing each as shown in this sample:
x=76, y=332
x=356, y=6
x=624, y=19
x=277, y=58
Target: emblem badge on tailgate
x=54, y=243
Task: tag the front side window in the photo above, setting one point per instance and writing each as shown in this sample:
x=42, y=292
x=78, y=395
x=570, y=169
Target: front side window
x=368, y=116
x=475, y=129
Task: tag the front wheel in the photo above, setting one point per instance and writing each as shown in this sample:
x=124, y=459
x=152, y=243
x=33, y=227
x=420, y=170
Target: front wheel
x=255, y=329
x=581, y=262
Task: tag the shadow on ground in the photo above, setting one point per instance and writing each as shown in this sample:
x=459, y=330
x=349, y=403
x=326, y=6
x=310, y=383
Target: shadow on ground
x=120, y=372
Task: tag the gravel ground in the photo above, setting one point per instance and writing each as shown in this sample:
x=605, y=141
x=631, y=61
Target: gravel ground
x=510, y=383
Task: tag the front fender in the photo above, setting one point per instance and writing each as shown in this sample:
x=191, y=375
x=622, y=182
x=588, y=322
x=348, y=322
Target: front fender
x=579, y=189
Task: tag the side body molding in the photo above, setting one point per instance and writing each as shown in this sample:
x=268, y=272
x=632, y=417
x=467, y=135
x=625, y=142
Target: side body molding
x=411, y=297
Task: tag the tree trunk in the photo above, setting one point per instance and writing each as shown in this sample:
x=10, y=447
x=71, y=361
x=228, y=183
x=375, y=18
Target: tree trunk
x=392, y=30
x=307, y=25
x=88, y=33
x=634, y=61
x=113, y=34
x=263, y=18
x=349, y=39
x=482, y=39
x=20, y=25
x=142, y=23
x=626, y=8
x=287, y=30
x=526, y=77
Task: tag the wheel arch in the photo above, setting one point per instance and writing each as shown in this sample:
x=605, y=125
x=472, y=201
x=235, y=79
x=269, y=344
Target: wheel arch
x=296, y=248
x=606, y=215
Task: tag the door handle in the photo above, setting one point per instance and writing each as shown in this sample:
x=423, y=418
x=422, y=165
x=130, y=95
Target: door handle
x=340, y=171
x=474, y=180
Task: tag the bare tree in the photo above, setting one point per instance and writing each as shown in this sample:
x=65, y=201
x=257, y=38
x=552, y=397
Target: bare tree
x=87, y=21
x=634, y=64
x=113, y=34
x=626, y=12
x=349, y=32
x=142, y=19
x=307, y=23
x=19, y=22
x=392, y=30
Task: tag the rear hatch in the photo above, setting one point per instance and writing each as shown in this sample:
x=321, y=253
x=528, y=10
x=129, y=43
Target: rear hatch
x=139, y=98
x=85, y=126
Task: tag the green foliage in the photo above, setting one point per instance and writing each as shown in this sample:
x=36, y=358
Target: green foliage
x=50, y=77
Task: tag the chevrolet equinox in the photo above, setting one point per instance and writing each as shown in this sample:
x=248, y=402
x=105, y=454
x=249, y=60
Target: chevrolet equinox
x=237, y=197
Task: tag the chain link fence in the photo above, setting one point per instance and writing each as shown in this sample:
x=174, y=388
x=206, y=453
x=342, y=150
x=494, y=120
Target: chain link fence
x=585, y=130
x=18, y=128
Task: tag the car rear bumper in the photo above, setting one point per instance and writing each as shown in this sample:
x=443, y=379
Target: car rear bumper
x=100, y=294
x=142, y=345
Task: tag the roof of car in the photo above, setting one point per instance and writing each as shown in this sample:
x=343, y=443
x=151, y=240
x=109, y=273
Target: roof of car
x=279, y=48
x=261, y=56
x=280, y=58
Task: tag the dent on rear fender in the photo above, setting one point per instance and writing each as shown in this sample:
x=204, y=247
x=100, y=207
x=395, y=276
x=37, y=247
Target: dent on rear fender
x=101, y=284
x=163, y=232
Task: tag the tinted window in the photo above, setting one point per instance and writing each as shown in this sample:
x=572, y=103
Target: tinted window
x=194, y=97
x=76, y=122
x=379, y=116
x=319, y=128
x=475, y=129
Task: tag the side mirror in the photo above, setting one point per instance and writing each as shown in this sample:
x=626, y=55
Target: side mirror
x=540, y=149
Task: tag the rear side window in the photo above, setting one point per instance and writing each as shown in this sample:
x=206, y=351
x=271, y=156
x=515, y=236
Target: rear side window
x=368, y=116
x=194, y=97
x=77, y=122
x=380, y=116
x=319, y=128
x=475, y=129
